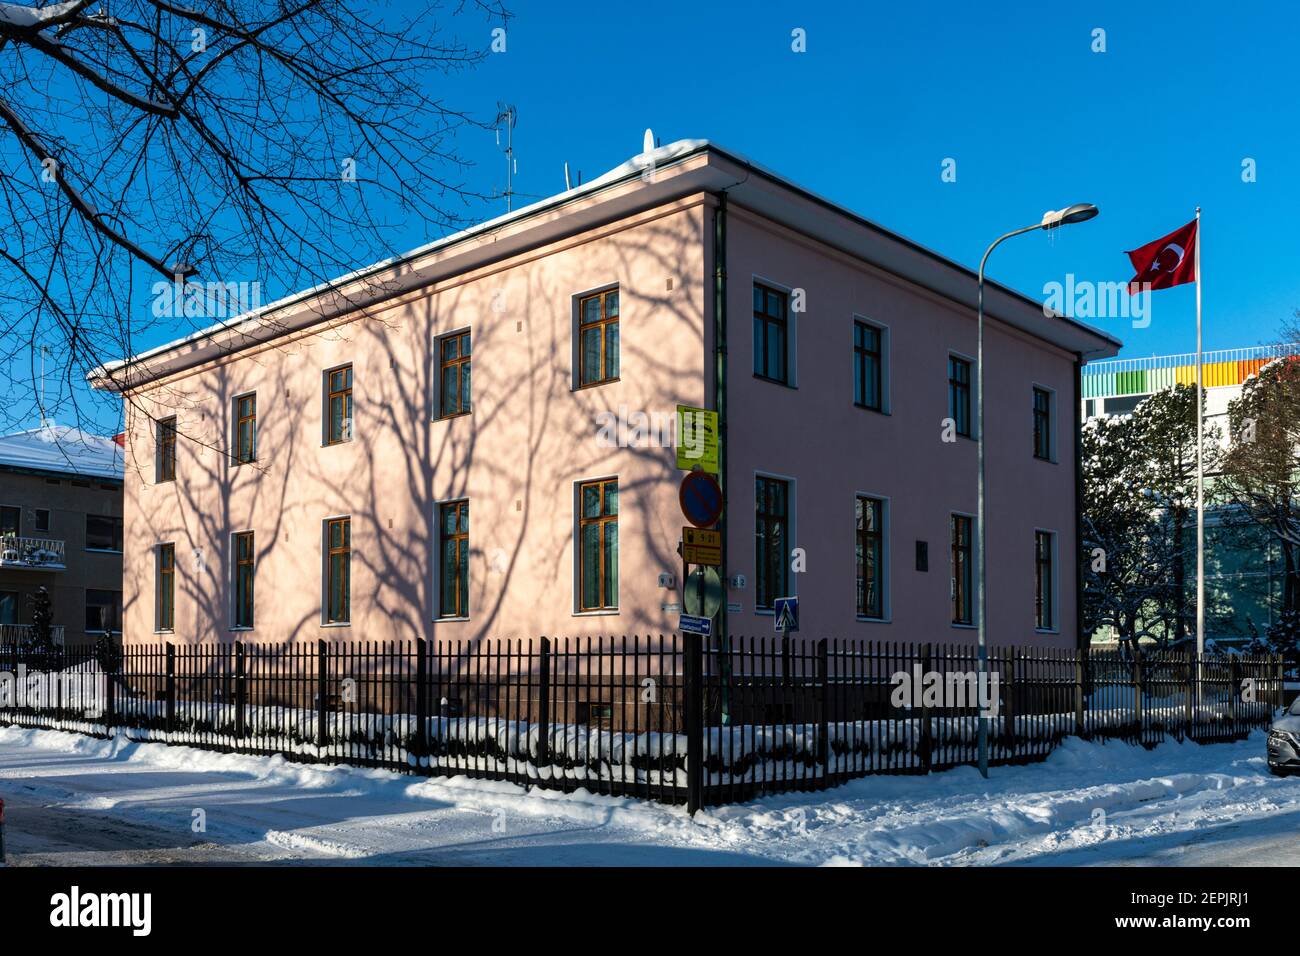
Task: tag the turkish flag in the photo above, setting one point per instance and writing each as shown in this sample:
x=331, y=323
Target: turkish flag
x=1166, y=262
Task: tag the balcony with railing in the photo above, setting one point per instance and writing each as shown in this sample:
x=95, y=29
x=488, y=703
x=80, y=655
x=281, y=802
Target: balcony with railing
x=21, y=634
x=33, y=554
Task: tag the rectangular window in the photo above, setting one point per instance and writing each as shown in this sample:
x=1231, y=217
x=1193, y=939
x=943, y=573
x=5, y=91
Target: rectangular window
x=771, y=540
x=868, y=367
x=453, y=559
x=244, y=574
x=338, y=405
x=771, y=334
x=165, y=451
x=41, y=520
x=338, y=571
x=962, y=604
x=453, y=375
x=246, y=428
x=598, y=545
x=103, y=533
x=959, y=394
x=1042, y=424
x=598, y=338
x=11, y=520
x=103, y=611
x=1044, y=580
x=165, y=588
x=8, y=607
x=870, y=513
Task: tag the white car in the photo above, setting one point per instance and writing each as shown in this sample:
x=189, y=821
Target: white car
x=1284, y=742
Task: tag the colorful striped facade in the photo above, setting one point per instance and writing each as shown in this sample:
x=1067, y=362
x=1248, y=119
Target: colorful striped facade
x=1223, y=368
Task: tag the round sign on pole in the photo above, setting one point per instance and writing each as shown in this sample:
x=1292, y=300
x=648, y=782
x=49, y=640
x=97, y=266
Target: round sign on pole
x=702, y=592
x=701, y=499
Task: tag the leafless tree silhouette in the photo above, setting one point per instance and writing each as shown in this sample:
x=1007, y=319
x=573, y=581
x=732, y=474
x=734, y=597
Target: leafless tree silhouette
x=211, y=142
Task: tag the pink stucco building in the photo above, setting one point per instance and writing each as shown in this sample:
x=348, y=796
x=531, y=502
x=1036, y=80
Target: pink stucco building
x=329, y=466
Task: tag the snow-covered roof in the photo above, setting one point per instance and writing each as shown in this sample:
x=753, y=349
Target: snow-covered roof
x=62, y=449
x=252, y=324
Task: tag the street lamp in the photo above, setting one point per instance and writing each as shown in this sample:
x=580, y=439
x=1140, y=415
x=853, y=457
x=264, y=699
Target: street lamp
x=1052, y=219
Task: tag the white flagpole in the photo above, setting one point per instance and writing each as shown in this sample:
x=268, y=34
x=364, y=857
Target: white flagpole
x=1200, y=463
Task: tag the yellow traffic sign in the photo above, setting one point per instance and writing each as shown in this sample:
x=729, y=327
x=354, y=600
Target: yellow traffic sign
x=697, y=439
x=701, y=546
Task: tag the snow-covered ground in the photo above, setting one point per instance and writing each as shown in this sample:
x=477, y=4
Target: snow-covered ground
x=77, y=800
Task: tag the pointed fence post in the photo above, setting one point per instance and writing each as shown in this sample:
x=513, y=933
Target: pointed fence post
x=1080, y=727
x=823, y=711
x=927, y=730
x=171, y=687
x=421, y=699
x=1007, y=701
x=1137, y=693
x=322, y=704
x=241, y=691
x=1189, y=708
x=544, y=705
x=693, y=691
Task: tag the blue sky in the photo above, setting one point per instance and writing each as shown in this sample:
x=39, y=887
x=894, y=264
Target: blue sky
x=1148, y=130
x=1013, y=92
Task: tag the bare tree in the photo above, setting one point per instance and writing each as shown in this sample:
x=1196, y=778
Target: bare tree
x=230, y=145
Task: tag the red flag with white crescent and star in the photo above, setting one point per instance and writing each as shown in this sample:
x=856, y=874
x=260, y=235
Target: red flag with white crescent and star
x=1166, y=262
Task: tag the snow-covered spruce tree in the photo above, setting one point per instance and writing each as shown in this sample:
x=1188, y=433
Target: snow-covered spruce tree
x=1260, y=472
x=41, y=634
x=218, y=144
x=1123, y=562
x=1164, y=449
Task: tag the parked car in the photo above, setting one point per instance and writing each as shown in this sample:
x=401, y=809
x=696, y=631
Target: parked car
x=1284, y=742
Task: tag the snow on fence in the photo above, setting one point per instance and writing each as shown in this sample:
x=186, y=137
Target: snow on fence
x=660, y=717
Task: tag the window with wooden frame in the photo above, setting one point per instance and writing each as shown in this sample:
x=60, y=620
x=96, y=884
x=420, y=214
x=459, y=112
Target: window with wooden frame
x=453, y=559
x=338, y=570
x=962, y=599
x=1044, y=580
x=338, y=405
x=870, y=514
x=246, y=428
x=165, y=450
x=959, y=394
x=868, y=366
x=244, y=574
x=771, y=334
x=598, y=545
x=771, y=540
x=165, y=588
x=598, y=338
x=1042, y=424
x=453, y=375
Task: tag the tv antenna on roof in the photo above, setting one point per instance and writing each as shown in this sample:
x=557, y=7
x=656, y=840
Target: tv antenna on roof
x=508, y=115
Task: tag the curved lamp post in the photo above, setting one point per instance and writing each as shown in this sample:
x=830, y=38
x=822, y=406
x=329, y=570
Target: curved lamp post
x=1052, y=219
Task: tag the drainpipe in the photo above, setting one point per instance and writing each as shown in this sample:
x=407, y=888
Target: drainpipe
x=720, y=406
x=1079, y=639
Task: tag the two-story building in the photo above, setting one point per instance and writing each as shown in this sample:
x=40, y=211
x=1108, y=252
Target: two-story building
x=61, y=530
x=328, y=467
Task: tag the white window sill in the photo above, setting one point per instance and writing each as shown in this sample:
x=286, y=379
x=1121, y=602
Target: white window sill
x=964, y=627
x=336, y=624
x=239, y=629
x=873, y=620
x=102, y=551
x=608, y=612
x=460, y=619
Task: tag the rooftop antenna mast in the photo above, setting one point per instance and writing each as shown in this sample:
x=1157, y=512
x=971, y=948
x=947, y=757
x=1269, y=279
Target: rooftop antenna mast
x=508, y=115
x=44, y=350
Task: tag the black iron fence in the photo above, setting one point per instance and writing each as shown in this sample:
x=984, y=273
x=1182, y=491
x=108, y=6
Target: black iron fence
x=662, y=717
